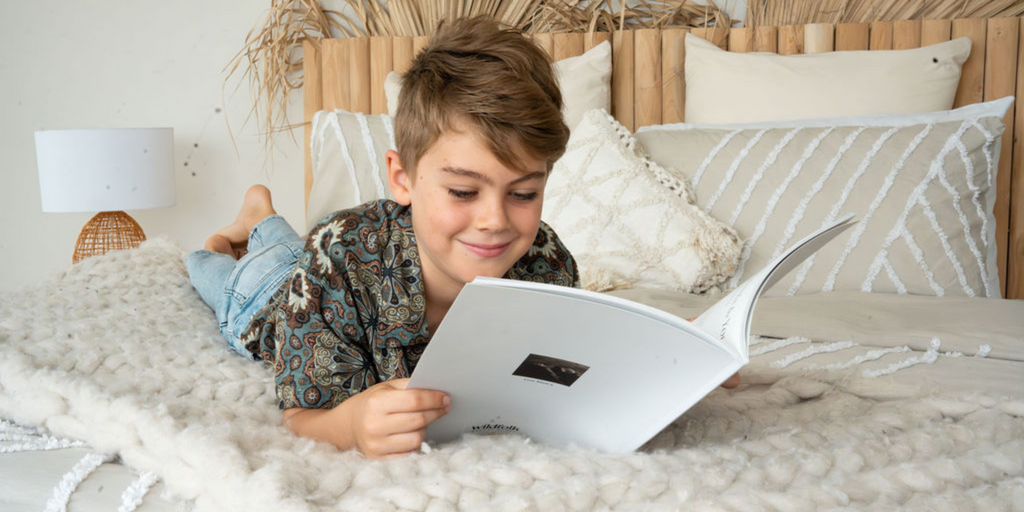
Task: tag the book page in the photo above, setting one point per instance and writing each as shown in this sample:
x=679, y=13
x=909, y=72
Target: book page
x=605, y=299
x=565, y=367
x=729, y=319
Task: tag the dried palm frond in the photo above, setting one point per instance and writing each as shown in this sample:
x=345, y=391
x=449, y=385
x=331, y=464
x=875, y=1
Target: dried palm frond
x=799, y=12
x=419, y=18
x=600, y=16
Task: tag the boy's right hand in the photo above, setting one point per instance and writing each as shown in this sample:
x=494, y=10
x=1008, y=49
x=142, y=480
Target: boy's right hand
x=387, y=420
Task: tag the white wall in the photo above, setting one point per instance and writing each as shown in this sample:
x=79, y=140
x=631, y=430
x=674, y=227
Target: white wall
x=131, y=63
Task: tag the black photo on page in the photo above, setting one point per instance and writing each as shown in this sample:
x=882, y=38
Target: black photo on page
x=550, y=369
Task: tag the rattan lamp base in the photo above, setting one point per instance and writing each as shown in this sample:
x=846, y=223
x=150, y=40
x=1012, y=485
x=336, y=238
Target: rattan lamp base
x=107, y=231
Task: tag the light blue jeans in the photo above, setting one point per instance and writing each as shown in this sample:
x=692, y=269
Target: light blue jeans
x=237, y=289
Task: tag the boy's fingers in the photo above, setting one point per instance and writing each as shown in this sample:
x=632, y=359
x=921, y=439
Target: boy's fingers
x=412, y=421
x=412, y=400
x=399, y=383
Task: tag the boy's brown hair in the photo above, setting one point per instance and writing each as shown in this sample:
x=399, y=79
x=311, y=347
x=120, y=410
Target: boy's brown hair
x=493, y=81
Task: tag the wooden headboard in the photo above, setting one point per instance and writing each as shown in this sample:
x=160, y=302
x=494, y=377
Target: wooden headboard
x=648, y=87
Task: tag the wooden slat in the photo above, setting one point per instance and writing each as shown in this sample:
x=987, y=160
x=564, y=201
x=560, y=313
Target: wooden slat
x=791, y=40
x=594, y=38
x=359, y=74
x=312, y=101
x=767, y=39
x=382, y=62
x=741, y=40
x=673, y=78
x=819, y=38
x=906, y=34
x=622, y=77
x=852, y=36
x=972, y=73
x=568, y=45
x=647, y=77
x=718, y=36
x=403, y=54
x=335, y=74
x=881, y=35
x=1015, y=246
x=546, y=43
x=934, y=31
x=418, y=44
x=1000, y=75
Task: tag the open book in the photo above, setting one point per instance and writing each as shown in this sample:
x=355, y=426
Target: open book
x=567, y=366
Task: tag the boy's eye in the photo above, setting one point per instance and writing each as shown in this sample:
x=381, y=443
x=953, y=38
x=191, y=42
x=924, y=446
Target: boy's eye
x=525, y=196
x=461, y=194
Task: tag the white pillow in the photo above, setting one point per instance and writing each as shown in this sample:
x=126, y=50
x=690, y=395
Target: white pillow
x=730, y=87
x=585, y=82
x=347, y=153
x=921, y=186
x=625, y=219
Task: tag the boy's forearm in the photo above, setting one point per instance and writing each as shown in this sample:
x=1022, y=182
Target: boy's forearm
x=329, y=425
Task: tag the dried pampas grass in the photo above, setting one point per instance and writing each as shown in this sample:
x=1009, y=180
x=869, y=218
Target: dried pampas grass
x=798, y=12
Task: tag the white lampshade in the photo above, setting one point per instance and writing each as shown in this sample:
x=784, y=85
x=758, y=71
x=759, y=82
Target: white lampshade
x=105, y=169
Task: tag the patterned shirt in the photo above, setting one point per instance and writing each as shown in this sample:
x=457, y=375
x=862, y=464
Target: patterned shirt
x=353, y=312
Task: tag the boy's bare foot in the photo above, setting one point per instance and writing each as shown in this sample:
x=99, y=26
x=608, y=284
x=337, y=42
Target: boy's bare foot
x=255, y=207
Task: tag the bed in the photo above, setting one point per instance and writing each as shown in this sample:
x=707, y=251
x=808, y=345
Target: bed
x=129, y=401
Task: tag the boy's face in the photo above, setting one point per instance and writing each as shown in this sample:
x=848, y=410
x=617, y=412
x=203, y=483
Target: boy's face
x=472, y=215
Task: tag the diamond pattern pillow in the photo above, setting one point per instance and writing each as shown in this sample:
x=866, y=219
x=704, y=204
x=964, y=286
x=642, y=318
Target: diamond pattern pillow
x=922, y=188
x=625, y=219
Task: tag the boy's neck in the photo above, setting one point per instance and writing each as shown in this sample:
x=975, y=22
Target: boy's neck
x=438, y=304
x=440, y=293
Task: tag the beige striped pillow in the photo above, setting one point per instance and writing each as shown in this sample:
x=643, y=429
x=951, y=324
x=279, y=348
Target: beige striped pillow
x=922, y=188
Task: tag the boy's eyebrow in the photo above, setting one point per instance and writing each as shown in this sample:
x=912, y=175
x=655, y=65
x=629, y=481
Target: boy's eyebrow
x=477, y=176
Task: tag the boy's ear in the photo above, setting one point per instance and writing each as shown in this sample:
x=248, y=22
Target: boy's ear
x=399, y=178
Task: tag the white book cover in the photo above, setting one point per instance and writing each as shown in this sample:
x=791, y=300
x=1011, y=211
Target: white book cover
x=571, y=367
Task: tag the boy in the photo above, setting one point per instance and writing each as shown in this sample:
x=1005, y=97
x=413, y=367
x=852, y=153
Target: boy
x=478, y=128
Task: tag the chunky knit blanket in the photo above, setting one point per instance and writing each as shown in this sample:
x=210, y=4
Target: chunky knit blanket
x=120, y=352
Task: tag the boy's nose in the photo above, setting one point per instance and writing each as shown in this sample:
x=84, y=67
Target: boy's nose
x=492, y=216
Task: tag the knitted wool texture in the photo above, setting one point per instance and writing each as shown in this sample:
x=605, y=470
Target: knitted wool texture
x=121, y=353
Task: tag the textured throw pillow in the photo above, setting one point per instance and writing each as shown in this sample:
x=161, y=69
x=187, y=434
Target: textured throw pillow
x=347, y=152
x=627, y=220
x=729, y=87
x=585, y=82
x=921, y=186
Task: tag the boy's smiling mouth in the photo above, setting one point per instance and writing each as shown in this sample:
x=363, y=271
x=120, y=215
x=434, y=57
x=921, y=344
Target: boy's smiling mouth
x=487, y=250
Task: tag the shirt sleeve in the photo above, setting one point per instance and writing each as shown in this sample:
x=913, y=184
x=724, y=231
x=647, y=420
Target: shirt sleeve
x=320, y=357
